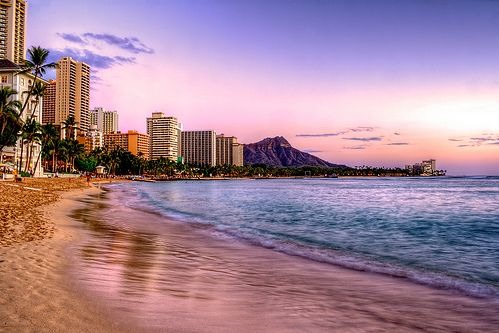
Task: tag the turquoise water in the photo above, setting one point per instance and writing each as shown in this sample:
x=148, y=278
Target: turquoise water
x=442, y=232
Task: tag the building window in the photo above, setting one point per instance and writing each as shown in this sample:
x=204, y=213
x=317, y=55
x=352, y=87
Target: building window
x=4, y=78
x=22, y=82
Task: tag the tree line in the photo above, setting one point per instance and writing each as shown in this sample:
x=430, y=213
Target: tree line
x=18, y=117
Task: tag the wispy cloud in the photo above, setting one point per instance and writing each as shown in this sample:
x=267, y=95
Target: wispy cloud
x=355, y=147
x=368, y=139
x=321, y=135
x=94, y=60
x=72, y=38
x=342, y=132
x=361, y=129
x=130, y=44
x=477, y=141
x=312, y=151
x=398, y=144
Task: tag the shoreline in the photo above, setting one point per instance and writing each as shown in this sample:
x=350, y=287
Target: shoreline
x=247, y=287
x=37, y=295
x=213, y=285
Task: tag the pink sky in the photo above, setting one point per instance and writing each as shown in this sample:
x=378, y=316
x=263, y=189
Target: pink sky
x=361, y=96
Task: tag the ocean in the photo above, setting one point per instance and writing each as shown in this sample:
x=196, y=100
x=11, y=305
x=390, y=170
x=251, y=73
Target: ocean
x=443, y=232
x=293, y=255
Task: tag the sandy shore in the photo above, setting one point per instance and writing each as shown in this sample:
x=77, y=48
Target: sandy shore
x=128, y=276
x=36, y=295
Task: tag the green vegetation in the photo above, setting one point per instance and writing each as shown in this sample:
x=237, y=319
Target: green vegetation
x=67, y=155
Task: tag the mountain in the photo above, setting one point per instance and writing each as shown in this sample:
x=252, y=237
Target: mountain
x=279, y=152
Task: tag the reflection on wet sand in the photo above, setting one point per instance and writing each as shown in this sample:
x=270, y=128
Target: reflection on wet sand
x=162, y=275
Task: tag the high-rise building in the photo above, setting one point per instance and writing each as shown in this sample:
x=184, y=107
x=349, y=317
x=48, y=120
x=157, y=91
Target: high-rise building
x=93, y=139
x=229, y=151
x=199, y=147
x=13, y=30
x=106, y=121
x=72, y=92
x=48, y=115
x=238, y=154
x=425, y=168
x=132, y=141
x=164, y=136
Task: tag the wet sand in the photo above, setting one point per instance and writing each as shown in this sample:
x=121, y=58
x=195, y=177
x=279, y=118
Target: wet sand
x=36, y=293
x=110, y=269
x=165, y=275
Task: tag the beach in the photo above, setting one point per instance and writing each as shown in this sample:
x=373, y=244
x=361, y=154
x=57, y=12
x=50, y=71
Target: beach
x=35, y=234
x=101, y=267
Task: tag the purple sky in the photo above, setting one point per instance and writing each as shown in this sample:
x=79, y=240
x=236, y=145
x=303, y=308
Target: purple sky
x=355, y=82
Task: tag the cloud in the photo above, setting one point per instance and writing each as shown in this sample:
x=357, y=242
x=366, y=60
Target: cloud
x=477, y=141
x=72, y=38
x=361, y=129
x=322, y=135
x=312, y=151
x=94, y=60
x=130, y=44
x=482, y=139
x=368, y=139
x=398, y=144
x=349, y=130
x=355, y=147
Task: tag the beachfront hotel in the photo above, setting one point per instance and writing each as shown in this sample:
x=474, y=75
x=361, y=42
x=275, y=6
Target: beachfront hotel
x=11, y=75
x=199, y=147
x=13, y=30
x=425, y=168
x=164, y=137
x=48, y=116
x=72, y=93
x=229, y=151
x=106, y=121
x=92, y=139
x=132, y=141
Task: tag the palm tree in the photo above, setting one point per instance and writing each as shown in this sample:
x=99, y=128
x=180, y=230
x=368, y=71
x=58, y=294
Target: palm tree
x=37, y=66
x=10, y=121
x=49, y=137
x=38, y=92
x=70, y=125
x=32, y=132
x=74, y=149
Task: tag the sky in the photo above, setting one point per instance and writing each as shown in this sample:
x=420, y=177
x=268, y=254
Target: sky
x=380, y=83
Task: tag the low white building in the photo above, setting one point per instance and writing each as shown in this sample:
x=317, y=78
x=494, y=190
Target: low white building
x=11, y=76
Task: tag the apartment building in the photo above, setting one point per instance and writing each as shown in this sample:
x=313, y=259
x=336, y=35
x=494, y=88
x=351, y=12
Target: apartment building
x=164, y=137
x=72, y=92
x=199, y=147
x=229, y=151
x=13, y=30
x=106, y=121
x=132, y=141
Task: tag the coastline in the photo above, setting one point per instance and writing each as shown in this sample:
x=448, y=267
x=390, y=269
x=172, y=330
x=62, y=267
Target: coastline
x=166, y=274
x=212, y=284
x=37, y=295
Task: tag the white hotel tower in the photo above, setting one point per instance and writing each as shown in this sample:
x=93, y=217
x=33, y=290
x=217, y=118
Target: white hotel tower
x=164, y=136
